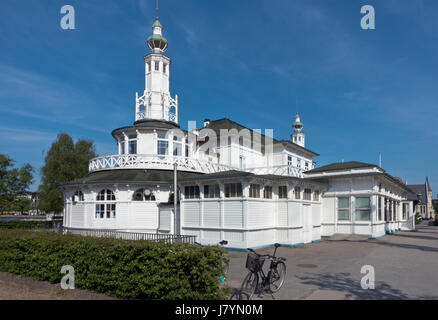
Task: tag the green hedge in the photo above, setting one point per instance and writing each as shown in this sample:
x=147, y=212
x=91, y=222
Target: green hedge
x=119, y=268
x=22, y=224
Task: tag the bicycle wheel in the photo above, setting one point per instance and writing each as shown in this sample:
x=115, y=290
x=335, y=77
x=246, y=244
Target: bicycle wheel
x=278, y=274
x=249, y=286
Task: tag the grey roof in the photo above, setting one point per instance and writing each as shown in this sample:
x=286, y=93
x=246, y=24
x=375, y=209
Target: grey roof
x=343, y=166
x=148, y=124
x=243, y=174
x=416, y=189
x=228, y=124
x=134, y=176
x=356, y=165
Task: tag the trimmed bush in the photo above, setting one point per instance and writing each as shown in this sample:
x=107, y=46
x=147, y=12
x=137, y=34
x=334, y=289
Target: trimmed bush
x=119, y=268
x=26, y=225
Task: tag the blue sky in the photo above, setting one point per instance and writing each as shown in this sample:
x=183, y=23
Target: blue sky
x=359, y=93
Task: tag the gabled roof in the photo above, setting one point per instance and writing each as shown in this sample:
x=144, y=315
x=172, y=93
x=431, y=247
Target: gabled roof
x=339, y=166
x=225, y=123
x=418, y=189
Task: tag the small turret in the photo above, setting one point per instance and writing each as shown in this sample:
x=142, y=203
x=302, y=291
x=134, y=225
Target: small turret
x=297, y=136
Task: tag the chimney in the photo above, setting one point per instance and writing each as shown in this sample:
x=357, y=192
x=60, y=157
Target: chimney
x=206, y=122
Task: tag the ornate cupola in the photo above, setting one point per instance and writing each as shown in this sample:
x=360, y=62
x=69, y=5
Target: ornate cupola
x=156, y=102
x=156, y=42
x=298, y=137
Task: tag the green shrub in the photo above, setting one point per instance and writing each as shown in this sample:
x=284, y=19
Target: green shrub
x=120, y=268
x=28, y=225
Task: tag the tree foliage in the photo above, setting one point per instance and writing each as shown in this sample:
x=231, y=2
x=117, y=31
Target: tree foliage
x=14, y=184
x=64, y=162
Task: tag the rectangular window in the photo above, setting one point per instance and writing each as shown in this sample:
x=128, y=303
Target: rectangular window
x=149, y=67
x=242, y=164
x=100, y=211
x=307, y=194
x=163, y=147
x=133, y=147
x=267, y=192
x=405, y=210
x=316, y=195
x=299, y=163
x=211, y=191
x=297, y=193
x=122, y=147
x=157, y=66
x=282, y=192
x=191, y=192
x=177, y=146
x=254, y=191
x=233, y=190
x=343, y=209
x=164, y=68
x=363, y=209
x=306, y=165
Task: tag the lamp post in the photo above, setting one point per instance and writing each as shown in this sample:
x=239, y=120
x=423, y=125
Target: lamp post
x=175, y=198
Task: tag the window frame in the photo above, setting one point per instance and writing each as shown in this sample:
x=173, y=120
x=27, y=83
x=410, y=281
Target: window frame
x=307, y=194
x=105, y=207
x=282, y=192
x=362, y=209
x=339, y=208
x=254, y=191
x=192, y=192
x=237, y=190
x=297, y=192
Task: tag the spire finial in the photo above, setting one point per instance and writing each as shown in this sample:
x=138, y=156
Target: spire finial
x=157, y=9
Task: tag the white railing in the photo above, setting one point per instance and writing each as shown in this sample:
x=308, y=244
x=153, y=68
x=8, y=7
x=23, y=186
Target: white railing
x=163, y=162
x=138, y=161
x=286, y=170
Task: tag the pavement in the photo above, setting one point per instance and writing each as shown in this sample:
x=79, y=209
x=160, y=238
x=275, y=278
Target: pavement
x=13, y=287
x=405, y=266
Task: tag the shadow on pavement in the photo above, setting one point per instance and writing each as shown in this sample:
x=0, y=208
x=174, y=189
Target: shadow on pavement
x=408, y=246
x=342, y=282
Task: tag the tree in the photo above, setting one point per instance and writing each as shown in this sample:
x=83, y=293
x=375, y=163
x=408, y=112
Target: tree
x=64, y=162
x=14, y=183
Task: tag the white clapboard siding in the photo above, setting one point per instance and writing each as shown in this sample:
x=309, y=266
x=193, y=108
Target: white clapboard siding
x=192, y=213
x=233, y=214
x=212, y=214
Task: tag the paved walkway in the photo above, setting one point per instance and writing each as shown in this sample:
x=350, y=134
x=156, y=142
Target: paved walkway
x=13, y=287
x=406, y=267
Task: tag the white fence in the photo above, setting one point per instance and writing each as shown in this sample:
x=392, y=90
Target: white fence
x=103, y=233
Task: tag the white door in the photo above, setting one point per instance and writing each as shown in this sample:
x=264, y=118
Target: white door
x=307, y=223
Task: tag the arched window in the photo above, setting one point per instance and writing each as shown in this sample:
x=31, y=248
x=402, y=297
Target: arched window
x=78, y=196
x=106, y=208
x=143, y=195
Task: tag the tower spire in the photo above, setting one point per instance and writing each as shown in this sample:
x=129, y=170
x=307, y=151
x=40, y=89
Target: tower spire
x=156, y=9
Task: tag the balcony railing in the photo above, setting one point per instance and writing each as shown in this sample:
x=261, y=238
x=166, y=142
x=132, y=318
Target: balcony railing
x=103, y=233
x=137, y=161
x=289, y=171
x=163, y=162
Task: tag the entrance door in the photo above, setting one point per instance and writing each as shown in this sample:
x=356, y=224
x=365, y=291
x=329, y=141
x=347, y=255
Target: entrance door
x=307, y=223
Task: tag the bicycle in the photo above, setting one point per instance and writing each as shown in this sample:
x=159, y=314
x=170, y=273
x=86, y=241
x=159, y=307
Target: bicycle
x=271, y=282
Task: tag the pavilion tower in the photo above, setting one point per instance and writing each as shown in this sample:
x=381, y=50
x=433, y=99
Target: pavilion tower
x=298, y=137
x=156, y=102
